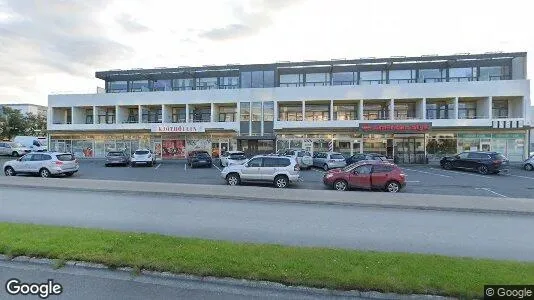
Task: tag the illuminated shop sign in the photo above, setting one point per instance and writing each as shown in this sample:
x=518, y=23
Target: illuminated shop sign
x=178, y=128
x=396, y=127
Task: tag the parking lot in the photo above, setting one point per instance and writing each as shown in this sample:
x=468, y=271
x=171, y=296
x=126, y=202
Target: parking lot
x=427, y=179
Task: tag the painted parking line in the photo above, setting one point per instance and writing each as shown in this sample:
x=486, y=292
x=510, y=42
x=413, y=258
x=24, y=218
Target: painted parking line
x=159, y=165
x=216, y=167
x=413, y=181
x=185, y=167
x=424, y=172
x=465, y=173
x=489, y=190
x=519, y=176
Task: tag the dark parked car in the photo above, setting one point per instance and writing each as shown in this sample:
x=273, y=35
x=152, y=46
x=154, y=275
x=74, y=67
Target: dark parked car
x=482, y=162
x=366, y=156
x=199, y=159
x=367, y=175
x=117, y=158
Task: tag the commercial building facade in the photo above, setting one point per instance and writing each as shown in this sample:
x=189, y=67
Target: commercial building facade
x=408, y=108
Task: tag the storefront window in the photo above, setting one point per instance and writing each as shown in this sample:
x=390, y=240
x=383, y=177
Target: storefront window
x=343, y=147
x=282, y=145
x=256, y=118
x=441, y=144
x=376, y=143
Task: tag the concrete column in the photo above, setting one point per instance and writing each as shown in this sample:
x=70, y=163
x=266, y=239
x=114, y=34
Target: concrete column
x=392, y=109
x=303, y=110
x=164, y=113
x=212, y=113
x=423, y=109
x=332, y=110
x=275, y=111
x=118, y=114
x=238, y=113
x=187, y=113
x=490, y=107
x=95, y=114
x=140, y=113
x=455, y=108
x=360, y=110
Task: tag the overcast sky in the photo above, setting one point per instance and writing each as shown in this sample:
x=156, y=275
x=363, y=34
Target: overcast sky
x=51, y=46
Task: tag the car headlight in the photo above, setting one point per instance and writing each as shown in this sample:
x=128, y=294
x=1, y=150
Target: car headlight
x=329, y=175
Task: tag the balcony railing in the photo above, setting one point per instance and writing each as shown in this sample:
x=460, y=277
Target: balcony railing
x=397, y=81
x=377, y=81
x=461, y=79
x=348, y=82
x=501, y=77
x=317, y=83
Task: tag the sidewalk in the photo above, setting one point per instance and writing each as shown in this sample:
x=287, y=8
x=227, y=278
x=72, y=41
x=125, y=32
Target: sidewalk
x=369, y=199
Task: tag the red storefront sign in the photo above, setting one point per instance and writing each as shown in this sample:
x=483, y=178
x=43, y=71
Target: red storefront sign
x=396, y=127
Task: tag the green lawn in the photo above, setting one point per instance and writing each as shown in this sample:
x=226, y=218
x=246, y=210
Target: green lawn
x=316, y=267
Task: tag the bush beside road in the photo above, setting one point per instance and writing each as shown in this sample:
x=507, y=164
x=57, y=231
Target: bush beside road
x=315, y=267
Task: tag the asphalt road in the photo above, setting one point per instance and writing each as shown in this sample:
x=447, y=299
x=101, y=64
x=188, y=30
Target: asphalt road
x=429, y=179
x=448, y=233
x=81, y=283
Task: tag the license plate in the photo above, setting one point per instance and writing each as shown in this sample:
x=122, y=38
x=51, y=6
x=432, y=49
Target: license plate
x=202, y=161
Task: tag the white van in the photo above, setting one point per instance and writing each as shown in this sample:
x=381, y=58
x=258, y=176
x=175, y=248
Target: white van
x=32, y=142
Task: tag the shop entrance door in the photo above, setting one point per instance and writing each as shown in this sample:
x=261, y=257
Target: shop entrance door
x=356, y=147
x=253, y=147
x=410, y=150
x=157, y=149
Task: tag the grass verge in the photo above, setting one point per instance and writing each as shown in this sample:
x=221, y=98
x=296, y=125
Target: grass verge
x=315, y=267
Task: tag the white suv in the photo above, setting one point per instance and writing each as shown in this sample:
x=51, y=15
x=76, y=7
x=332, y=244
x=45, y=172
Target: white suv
x=143, y=156
x=45, y=164
x=262, y=168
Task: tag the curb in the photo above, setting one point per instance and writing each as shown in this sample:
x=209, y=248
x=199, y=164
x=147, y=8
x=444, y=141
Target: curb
x=227, y=281
x=293, y=201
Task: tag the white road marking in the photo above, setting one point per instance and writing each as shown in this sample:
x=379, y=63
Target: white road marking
x=413, y=181
x=159, y=165
x=488, y=190
x=216, y=167
x=428, y=173
x=185, y=167
x=467, y=173
x=532, y=178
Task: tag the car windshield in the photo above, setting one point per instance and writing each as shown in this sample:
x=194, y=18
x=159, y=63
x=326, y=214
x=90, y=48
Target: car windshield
x=141, y=152
x=115, y=154
x=203, y=155
x=238, y=156
x=500, y=157
x=65, y=157
x=337, y=156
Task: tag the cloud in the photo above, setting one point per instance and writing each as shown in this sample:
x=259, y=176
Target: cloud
x=250, y=22
x=54, y=36
x=131, y=25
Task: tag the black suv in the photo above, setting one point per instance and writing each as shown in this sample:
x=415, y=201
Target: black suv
x=199, y=158
x=482, y=162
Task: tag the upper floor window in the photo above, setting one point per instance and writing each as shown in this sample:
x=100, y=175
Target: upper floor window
x=257, y=79
x=320, y=79
x=500, y=109
x=139, y=86
x=290, y=113
x=343, y=78
x=289, y=80
x=317, y=112
x=162, y=85
x=244, y=111
x=405, y=111
x=439, y=110
x=268, y=111
x=432, y=75
x=183, y=84
x=228, y=82
x=375, y=111
x=345, y=111
x=402, y=76
x=494, y=73
x=467, y=110
x=372, y=77
x=462, y=74
x=117, y=86
x=206, y=83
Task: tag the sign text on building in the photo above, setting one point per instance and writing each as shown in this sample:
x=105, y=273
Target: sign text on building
x=178, y=128
x=396, y=127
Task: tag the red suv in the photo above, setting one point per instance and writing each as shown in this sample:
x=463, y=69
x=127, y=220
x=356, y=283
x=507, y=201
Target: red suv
x=367, y=175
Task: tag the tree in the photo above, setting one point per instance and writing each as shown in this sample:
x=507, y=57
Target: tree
x=35, y=125
x=13, y=123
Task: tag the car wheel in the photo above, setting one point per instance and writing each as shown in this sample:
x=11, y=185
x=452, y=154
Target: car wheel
x=150, y=164
x=281, y=181
x=447, y=165
x=132, y=165
x=392, y=187
x=9, y=171
x=107, y=165
x=325, y=167
x=15, y=154
x=44, y=173
x=482, y=169
x=529, y=167
x=233, y=179
x=340, y=185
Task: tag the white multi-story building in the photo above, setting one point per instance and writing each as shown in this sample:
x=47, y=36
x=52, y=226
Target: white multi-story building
x=409, y=108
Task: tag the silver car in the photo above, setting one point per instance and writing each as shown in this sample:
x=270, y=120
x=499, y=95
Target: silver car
x=45, y=164
x=528, y=164
x=329, y=160
x=303, y=157
x=264, y=168
x=13, y=149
